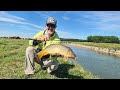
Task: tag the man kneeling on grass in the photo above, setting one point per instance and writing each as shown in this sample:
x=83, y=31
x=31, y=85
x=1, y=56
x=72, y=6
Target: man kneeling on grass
x=41, y=40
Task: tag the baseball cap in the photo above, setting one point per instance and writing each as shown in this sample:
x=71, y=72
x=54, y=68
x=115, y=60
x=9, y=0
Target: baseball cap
x=51, y=20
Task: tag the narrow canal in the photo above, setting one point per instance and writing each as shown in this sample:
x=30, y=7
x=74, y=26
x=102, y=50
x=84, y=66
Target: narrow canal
x=104, y=66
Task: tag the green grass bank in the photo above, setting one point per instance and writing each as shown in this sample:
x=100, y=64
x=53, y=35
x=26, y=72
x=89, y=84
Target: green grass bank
x=12, y=60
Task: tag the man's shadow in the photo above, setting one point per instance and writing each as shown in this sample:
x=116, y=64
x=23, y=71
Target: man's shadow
x=62, y=72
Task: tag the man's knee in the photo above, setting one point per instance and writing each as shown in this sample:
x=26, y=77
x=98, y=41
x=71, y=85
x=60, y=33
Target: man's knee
x=30, y=49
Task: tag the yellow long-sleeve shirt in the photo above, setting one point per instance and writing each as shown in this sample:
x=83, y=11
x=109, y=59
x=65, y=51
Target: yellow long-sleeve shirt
x=53, y=40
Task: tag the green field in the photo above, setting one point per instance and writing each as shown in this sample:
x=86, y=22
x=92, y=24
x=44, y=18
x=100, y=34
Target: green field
x=12, y=61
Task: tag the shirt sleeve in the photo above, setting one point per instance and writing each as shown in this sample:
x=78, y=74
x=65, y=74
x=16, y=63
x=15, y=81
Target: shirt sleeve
x=31, y=42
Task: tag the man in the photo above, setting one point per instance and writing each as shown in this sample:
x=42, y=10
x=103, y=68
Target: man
x=41, y=40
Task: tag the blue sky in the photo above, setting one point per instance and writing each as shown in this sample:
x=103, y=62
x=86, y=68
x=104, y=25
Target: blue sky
x=70, y=24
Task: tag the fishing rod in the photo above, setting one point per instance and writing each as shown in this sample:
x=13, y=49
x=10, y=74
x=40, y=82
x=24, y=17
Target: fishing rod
x=33, y=39
x=39, y=40
x=48, y=40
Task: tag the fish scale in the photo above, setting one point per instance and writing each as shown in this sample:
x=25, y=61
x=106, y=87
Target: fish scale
x=57, y=50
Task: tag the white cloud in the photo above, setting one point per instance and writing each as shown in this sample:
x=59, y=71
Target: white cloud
x=7, y=33
x=5, y=17
x=63, y=34
x=105, y=17
x=4, y=33
x=108, y=21
x=11, y=20
x=65, y=18
x=108, y=27
x=43, y=14
x=41, y=27
x=101, y=20
x=27, y=28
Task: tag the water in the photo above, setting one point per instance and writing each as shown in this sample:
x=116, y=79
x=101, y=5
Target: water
x=104, y=66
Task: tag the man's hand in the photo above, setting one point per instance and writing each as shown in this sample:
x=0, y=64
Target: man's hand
x=42, y=38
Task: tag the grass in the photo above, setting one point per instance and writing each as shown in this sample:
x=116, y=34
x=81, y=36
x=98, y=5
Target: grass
x=12, y=60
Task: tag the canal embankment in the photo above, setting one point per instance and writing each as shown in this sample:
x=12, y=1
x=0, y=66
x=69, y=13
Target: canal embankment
x=109, y=51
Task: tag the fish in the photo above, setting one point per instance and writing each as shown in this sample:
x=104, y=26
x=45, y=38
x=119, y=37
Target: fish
x=58, y=50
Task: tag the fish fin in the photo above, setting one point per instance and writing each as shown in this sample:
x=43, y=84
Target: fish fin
x=65, y=59
x=42, y=53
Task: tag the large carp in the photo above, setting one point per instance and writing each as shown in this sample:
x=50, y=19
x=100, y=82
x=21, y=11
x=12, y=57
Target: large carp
x=58, y=50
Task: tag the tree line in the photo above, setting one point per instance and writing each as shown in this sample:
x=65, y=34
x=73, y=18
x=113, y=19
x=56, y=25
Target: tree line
x=95, y=39
x=103, y=39
x=73, y=40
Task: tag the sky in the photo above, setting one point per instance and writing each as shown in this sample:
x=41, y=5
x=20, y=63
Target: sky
x=70, y=24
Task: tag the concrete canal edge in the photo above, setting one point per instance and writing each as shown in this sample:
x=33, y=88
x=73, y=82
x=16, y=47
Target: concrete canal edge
x=99, y=49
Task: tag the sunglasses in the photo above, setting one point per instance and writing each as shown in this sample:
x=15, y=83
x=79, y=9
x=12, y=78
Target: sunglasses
x=51, y=25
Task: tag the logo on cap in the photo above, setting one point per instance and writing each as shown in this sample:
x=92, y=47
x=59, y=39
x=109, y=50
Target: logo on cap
x=51, y=20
